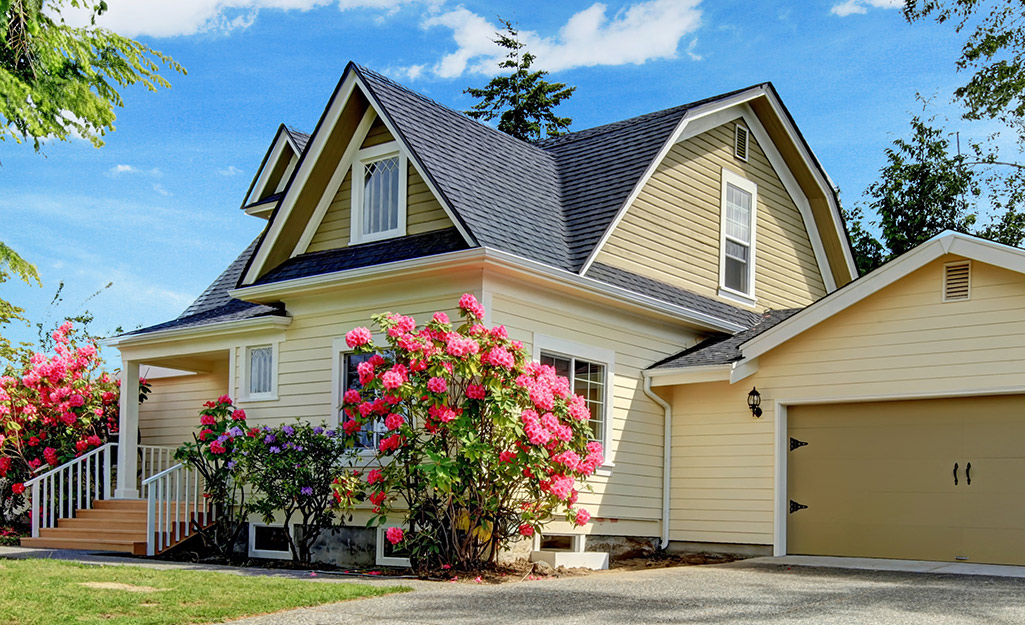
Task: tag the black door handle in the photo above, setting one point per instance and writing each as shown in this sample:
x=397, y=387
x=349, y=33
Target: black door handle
x=968, y=473
x=955, y=474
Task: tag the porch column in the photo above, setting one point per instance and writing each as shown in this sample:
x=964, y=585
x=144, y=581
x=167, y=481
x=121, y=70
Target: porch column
x=128, y=436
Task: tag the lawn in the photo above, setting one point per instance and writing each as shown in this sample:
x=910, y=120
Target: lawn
x=48, y=592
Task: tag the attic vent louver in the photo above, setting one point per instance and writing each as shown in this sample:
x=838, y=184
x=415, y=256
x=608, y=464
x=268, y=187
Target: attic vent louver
x=957, y=281
x=740, y=142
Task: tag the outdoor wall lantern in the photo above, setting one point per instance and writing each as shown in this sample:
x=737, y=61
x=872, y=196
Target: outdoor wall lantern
x=754, y=402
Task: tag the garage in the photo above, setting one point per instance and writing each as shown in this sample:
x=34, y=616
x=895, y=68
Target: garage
x=935, y=479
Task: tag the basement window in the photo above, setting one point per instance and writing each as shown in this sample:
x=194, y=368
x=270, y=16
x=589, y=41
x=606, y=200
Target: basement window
x=957, y=281
x=268, y=541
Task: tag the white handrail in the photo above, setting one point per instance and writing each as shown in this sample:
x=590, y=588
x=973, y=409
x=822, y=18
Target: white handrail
x=74, y=485
x=154, y=459
x=174, y=507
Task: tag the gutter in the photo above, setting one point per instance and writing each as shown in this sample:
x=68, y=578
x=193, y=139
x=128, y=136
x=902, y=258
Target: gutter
x=667, y=435
x=199, y=331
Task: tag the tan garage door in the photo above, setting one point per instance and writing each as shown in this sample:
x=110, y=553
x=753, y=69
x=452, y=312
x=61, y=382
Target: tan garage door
x=878, y=479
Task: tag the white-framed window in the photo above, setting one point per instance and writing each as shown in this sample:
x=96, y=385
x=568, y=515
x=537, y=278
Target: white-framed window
x=590, y=371
x=258, y=375
x=379, y=176
x=389, y=554
x=268, y=541
x=737, y=238
x=344, y=377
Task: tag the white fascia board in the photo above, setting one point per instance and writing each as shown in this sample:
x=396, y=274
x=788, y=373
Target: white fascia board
x=262, y=210
x=689, y=117
x=828, y=188
x=302, y=174
x=424, y=173
x=281, y=141
x=198, y=332
x=856, y=291
x=688, y=375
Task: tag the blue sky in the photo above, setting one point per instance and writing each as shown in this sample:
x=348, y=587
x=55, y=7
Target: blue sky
x=156, y=210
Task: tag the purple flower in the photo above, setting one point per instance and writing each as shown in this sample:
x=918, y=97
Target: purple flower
x=318, y=430
x=330, y=434
x=231, y=464
x=298, y=447
x=222, y=438
x=270, y=438
x=288, y=430
x=306, y=490
x=236, y=431
x=275, y=450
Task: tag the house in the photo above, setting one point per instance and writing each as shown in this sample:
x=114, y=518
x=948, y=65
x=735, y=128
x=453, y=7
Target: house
x=679, y=265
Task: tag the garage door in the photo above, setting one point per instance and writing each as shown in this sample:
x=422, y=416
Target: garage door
x=926, y=480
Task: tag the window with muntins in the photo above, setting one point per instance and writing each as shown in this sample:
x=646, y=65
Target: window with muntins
x=261, y=370
x=737, y=247
x=586, y=379
x=381, y=196
x=370, y=436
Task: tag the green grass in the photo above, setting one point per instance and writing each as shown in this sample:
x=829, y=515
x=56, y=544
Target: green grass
x=50, y=592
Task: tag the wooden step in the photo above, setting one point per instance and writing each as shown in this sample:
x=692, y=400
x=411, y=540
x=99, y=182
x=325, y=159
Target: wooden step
x=100, y=524
x=112, y=515
x=97, y=533
x=133, y=547
x=119, y=504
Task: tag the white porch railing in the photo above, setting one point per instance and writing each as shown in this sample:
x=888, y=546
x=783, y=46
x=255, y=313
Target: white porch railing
x=175, y=506
x=74, y=485
x=154, y=459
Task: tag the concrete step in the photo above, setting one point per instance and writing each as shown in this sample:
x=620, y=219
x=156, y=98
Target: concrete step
x=87, y=544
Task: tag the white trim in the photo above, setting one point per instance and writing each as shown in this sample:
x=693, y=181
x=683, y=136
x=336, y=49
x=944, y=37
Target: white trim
x=946, y=268
x=263, y=210
x=203, y=331
x=337, y=178
x=598, y=355
x=313, y=151
x=244, y=395
x=263, y=176
x=364, y=158
x=974, y=248
x=688, y=375
x=704, y=118
x=781, y=496
x=266, y=553
x=731, y=178
x=667, y=455
x=268, y=293
x=416, y=163
x=338, y=348
x=292, y=162
x=379, y=557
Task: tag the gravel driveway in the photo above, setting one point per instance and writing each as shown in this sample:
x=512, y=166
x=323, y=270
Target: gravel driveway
x=741, y=592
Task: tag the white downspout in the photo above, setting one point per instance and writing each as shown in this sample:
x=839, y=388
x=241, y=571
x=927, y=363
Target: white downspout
x=667, y=436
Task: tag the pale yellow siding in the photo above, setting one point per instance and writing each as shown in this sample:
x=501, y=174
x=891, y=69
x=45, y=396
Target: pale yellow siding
x=901, y=341
x=423, y=213
x=377, y=135
x=171, y=413
x=631, y=490
x=672, y=230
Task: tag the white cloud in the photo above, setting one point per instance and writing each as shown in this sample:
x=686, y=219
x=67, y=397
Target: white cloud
x=694, y=56
x=121, y=169
x=852, y=7
x=230, y=170
x=641, y=32
x=170, y=18
x=159, y=188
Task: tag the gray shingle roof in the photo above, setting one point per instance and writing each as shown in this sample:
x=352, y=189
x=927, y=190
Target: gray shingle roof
x=366, y=255
x=300, y=138
x=724, y=349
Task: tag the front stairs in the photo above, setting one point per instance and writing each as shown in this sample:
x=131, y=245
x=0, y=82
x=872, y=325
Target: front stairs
x=110, y=525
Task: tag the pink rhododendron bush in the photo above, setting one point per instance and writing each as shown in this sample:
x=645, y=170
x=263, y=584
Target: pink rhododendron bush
x=53, y=408
x=477, y=446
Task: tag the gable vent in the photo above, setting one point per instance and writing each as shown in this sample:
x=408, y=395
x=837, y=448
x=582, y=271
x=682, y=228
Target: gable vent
x=740, y=142
x=957, y=281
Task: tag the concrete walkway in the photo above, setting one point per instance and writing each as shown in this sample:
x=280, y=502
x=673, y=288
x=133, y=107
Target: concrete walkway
x=758, y=591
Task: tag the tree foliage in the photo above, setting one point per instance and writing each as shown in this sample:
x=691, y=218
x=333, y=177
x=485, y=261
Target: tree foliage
x=994, y=53
x=928, y=186
x=11, y=263
x=522, y=100
x=59, y=80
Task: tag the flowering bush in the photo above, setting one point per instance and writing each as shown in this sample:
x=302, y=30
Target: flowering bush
x=293, y=469
x=215, y=453
x=53, y=408
x=479, y=445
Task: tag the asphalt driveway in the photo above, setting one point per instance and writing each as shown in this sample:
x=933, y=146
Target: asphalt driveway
x=741, y=592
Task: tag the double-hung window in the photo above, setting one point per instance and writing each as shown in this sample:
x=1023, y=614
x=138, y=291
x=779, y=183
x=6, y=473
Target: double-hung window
x=370, y=436
x=378, y=194
x=737, y=244
x=588, y=379
x=259, y=380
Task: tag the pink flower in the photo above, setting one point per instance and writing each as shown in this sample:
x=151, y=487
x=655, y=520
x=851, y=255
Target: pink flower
x=507, y=456
x=378, y=498
x=460, y=347
x=526, y=530
x=18, y=488
x=207, y=419
x=351, y=426
x=470, y=304
x=437, y=385
x=224, y=399
x=394, y=421
x=76, y=401
x=583, y=516
x=476, y=391
x=374, y=476
x=217, y=448
x=394, y=535
x=561, y=486
x=440, y=317
x=391, y=443
x=499, y=332
x=358, y=337
x=366, y=372
x=239, y=415
x=391, y=380
x=594, y=447
x=578, y=408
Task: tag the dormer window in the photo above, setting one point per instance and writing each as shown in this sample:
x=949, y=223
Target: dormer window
x=379, y=194
x=737, y=239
